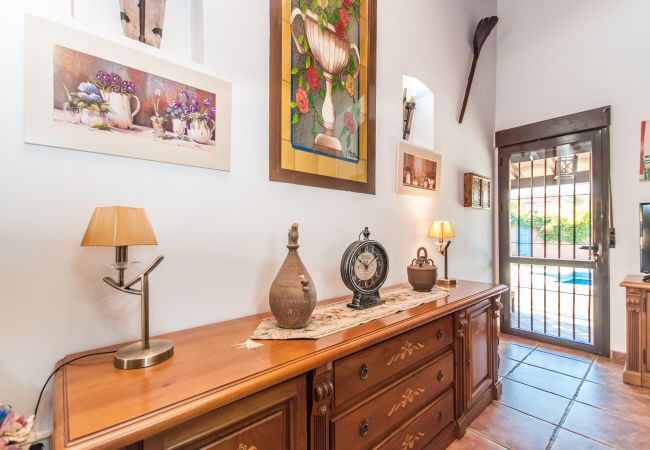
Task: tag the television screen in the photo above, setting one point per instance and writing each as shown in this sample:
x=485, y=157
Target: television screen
x=644, y=213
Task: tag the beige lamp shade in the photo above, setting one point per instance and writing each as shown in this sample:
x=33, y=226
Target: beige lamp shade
x=441, y=229
x=117, y=226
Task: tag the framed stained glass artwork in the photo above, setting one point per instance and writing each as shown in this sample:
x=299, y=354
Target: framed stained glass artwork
x=322, y=93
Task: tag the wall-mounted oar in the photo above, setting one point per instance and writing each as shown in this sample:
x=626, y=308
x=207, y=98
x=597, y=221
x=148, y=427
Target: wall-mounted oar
x=483, y=30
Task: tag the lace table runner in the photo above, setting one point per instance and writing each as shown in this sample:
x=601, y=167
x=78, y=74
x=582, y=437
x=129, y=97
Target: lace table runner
x=335, y=317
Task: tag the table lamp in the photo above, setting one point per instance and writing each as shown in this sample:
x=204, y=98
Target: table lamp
x=120, y=227
x=442, y=230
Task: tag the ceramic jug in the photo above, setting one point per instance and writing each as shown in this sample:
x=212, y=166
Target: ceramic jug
x=200, y=130
x=120, y=114
x=293, y=295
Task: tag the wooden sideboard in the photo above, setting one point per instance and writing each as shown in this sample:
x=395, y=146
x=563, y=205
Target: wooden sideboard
x=410, y=380
x=637, y=299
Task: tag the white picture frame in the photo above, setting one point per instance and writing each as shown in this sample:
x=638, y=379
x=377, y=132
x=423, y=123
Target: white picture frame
x=418, y=170
x=49, y=122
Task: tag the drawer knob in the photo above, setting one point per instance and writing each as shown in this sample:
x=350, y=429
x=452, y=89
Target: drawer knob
x=363, y=427
x=439, y=416
x=440, y=335
x=440, y=376
x=363, y=371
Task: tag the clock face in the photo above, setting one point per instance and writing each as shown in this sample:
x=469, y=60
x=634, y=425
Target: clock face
x=369, y=267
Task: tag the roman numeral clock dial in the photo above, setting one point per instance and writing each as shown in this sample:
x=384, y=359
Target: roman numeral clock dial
x=364, y=268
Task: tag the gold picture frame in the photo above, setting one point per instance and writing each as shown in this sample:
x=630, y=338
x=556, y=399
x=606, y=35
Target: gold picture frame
x=310, y=143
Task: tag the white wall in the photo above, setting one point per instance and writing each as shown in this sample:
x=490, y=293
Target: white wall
x=223, y=234
x=560, y=57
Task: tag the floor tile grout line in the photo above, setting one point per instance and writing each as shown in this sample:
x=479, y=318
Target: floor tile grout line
x=557, y=353
x=581, y=361
x=532, y=349
x=516, y=365
x=592, y=439
x=507, y=376
x=556, y=432
x=557, y=427
x=539, y=388
x=617, y=414
x=527, y=413
x=572, y=401
x=555, y=371
x=553, y=352
x=551, y=370
x=486, y=437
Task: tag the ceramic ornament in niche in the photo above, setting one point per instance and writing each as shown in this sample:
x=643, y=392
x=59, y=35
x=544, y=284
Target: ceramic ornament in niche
x=143, y=20
x=293, y=295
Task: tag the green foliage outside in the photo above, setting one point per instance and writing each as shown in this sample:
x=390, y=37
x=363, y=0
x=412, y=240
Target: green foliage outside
x=553, y=226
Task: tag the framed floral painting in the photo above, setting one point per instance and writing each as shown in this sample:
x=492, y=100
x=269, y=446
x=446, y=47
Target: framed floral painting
x=322, y=93
x=102, y=97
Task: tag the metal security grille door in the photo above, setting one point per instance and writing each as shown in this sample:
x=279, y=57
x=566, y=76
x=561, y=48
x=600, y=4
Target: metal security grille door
x=552, y=249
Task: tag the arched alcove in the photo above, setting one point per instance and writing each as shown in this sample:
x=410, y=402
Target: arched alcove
x=415, y=91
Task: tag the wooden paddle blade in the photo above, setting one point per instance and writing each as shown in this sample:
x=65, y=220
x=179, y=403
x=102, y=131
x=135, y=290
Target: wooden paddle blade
x=483, y=30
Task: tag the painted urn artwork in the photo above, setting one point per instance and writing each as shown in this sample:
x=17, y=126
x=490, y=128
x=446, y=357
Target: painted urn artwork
x=322, y=97
x=325, y=68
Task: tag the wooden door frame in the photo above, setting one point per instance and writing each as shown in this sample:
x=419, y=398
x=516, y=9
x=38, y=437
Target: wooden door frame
x=595, y=124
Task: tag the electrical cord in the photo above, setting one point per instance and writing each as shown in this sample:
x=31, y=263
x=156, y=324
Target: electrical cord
x=38, y=402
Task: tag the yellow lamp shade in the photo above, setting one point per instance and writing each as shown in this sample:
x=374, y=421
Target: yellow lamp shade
x=441, y=229
x=117, y=226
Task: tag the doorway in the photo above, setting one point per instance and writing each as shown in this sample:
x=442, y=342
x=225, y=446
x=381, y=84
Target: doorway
x=553, y=230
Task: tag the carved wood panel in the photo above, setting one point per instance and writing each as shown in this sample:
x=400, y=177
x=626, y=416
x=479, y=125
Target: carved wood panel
x=634, y=333
x=322, y=391
x=479, y=368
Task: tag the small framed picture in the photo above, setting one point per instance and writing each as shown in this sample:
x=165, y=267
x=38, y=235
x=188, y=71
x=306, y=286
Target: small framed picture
x=418, y=170
x=477, y=191
x=485, y=193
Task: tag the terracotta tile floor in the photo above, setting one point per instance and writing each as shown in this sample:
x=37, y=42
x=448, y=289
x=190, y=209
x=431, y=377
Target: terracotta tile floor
x=555, y=398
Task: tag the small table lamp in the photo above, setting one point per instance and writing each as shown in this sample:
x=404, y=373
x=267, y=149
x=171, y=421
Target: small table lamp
x=442, y=229
x=120, y=227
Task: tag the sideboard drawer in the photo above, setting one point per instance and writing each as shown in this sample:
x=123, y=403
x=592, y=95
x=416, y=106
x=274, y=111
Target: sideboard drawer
x=419, y=431
x=355, y=374
x=363, y=425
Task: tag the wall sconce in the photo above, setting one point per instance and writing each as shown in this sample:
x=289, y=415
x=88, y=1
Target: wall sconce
x=408, y=110
x=119, y=227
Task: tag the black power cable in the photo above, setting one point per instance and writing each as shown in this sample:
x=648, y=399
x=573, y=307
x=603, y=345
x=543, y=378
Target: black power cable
x=38, y=402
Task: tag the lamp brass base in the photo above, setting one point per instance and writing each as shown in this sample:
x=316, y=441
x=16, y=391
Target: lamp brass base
x=133, y=357
x=447, y=281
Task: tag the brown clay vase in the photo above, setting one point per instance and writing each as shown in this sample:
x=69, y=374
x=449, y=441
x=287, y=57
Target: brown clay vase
x=293, y=295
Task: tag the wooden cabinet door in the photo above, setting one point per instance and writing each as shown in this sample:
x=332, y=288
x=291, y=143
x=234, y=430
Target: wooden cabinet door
x=479, y=367
x=275, y=419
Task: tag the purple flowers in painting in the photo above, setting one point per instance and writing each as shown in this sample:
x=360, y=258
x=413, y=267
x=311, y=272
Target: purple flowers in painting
x=188, y=108
x=108, y=96
x=113, y=82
